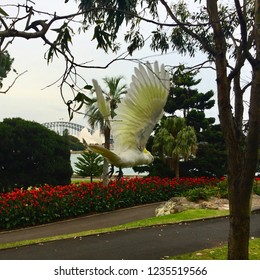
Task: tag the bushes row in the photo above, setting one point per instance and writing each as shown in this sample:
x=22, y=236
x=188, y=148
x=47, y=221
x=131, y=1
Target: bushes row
x=38, y=205
x=220, y=190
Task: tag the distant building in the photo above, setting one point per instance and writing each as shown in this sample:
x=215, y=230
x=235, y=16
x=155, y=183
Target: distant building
x=86, y=137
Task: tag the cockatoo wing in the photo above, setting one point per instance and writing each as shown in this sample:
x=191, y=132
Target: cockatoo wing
x=102, y=104
x=112, y=157
x=142, y=107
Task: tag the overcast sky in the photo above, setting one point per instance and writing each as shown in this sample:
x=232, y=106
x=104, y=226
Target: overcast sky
x=27, y=98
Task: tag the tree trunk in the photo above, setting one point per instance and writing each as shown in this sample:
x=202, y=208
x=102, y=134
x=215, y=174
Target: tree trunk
x=239, y=107
x=242, y=160
x=240, y=202
x=242, y=173
x=241, y=154
x=105, y=172
x=177, y=170
x=240, y=208
x=176, y=165
x=106, y=164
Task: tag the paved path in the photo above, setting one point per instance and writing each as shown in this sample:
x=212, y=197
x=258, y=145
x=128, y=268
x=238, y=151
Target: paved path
x=137, y=244
x=101, y=220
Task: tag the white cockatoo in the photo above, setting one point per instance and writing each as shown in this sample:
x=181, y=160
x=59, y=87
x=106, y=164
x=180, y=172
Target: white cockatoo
x=136, y=116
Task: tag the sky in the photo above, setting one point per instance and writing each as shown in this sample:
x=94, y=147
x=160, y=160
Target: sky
x=32, y=97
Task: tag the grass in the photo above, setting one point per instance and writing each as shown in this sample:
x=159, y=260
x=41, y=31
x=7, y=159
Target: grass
x=257, y=189
x=79, y=180
x=220, y=253
x=188, y=215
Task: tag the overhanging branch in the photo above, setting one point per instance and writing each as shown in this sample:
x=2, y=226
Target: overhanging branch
x=14, y=81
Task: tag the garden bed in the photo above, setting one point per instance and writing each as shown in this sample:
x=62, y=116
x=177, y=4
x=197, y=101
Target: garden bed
x=39, y=205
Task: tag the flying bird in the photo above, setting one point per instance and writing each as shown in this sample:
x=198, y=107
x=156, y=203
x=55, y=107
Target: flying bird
x=136, y=116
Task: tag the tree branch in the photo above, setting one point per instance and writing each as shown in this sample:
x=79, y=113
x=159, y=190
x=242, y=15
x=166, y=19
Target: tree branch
x=185, y=28
x=26, y=35
x=243, y=30
x=14, y=81
x=4, y=23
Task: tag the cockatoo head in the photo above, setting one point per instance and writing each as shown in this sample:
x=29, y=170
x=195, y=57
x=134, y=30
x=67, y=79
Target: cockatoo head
x=148, y=158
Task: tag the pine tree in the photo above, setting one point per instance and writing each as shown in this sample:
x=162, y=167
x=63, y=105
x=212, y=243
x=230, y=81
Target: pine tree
x=185, y=99
x=89, y=164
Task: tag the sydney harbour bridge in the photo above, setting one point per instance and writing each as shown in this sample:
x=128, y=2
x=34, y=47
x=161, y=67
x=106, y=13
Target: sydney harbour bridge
x=84, y=134
x=60, y=127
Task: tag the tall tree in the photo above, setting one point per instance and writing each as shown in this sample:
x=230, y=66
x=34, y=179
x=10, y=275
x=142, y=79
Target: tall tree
x=241, y=149
x=186, y=99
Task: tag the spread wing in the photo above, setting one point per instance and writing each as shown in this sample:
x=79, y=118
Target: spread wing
x=102, y=104
x=142, y=107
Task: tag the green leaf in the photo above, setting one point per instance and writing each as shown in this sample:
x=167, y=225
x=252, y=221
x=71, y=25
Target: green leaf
x=81, y=97
x=88, y=87
x=99, y=21
x=56, y=30
x=70, y=111
x=3, y=12
x=67, y=36
x=50, y=53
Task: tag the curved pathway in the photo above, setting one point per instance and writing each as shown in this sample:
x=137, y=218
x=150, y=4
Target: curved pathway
x=136, y=244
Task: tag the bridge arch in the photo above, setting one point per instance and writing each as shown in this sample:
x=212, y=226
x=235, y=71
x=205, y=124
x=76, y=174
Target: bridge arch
x=85, y=135
x=60, y=126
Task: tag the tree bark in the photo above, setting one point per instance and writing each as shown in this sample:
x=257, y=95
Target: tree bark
x=105, y=172
x=106, y=164
x=242, y=155
x=241, y=194
x=176, y=165
x=239, y=108
x=239, y=204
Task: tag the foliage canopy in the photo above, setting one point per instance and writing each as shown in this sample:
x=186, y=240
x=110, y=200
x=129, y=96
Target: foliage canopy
x=31, y=154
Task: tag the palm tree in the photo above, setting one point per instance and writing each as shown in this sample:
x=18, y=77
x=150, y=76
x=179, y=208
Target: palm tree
x=95, y=119
x=114, y=93
x=175, y=141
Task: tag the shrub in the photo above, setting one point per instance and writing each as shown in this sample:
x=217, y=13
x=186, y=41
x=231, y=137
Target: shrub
x=218, y=189
x=222, y=188
x=199, y=194
x=256, y=186
x=32, y=155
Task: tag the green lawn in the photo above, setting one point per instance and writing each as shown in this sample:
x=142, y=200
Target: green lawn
x=220, y=253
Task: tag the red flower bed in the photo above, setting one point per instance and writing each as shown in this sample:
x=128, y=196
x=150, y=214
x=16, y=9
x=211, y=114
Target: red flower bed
x=21, y=207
